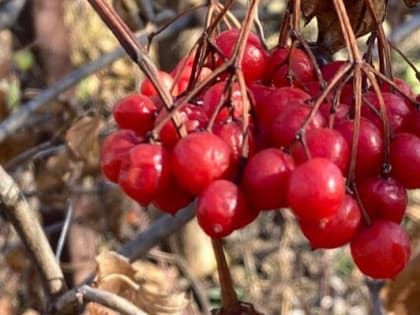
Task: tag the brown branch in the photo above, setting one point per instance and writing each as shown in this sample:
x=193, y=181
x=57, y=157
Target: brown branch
x=27, y=226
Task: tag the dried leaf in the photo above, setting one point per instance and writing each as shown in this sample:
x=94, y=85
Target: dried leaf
x=401, y=296
x=82, y=139
x=329, y=30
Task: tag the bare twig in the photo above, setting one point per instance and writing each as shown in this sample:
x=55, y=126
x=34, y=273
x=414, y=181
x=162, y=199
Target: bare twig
x=64, y=231
x=31, y=234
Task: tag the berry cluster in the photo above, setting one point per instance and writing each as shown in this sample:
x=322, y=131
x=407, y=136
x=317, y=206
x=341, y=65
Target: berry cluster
x=266, y=146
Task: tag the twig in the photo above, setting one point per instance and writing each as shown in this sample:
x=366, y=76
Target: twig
x=64, y=231
x=31, y=234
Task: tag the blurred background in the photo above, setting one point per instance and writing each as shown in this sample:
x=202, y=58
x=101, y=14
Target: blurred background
x=53, y=154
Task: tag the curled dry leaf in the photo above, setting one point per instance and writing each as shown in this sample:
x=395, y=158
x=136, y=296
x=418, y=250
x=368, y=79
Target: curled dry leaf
x=329, y=30
x=82, y=140
x=115, y=274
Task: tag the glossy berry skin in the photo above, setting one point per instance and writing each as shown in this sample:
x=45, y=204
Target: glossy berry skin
x=405, y=159
x=330, y=69
x=341, y=112
x=222, y=208
x=266, y=177
x=301, y=67
x=145, y=172
x=214, y=95
x=411, y=122
x=198, y=159
x=316, y=190
x=381, y=250
x=324, y=143
x=193, y=117
x=135, y=112
x=385, y=87
x=114, y=149
x=396, y=109
x=383, y=198
x=287, y=124
x=336, y=231
x=370, y=145
x=165, y=79
x=254, y=59
x=172, y=199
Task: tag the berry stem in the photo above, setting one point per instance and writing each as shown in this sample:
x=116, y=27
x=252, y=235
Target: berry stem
x=229, y=297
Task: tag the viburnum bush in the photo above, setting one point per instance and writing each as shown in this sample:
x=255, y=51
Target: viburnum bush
x=244, y=129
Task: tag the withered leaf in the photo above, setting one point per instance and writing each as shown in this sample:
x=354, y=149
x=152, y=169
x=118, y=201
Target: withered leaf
x=82, y=140
x=329, y=29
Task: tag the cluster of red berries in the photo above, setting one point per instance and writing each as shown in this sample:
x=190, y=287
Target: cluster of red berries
x=284, y=167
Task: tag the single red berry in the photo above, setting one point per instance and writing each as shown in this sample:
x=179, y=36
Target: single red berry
x=336, y=231
x=330, y=69
x=405, y=159
x=192, y=116
x=135, y=112
x=114, y=149
x=265, y=179
x=340, y=112
x=172, y=199
x=385, y=87
x=396, y=109
x=370, y=145
x=285, y=127
x=254, y=58
x=145, y=172
x=381, y=250
x=301, y=67
x=316, y=190
x=198, y=159
x=411, y=122
x=222, y=208
x=165, y=80
x=229, y=101
x=324, y=143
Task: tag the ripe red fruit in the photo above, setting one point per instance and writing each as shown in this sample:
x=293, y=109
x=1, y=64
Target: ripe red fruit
x=396, y=109
x=287, y=124
x=316, y=190
x=369, y=146
x=165, y=80
x=114, y=148
x=324, y=143
x=336, y=231
x=193, y=117
x=265, y=179
x=135, y=112
x=213, y=97
x=405, y=159
x=342, y=111
x=383, y=198
x=385, y=87
x=198, y=159
x=300, y=66
x=222, y=208
x=381, y=250
x=411, y=122
x=173, y=198
x=254, y=59
x=330, y=69
x=145, y=172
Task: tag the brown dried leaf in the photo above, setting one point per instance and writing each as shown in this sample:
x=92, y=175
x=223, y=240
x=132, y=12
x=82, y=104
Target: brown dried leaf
x=329, y=30
x=82, y=139
x=401, y=296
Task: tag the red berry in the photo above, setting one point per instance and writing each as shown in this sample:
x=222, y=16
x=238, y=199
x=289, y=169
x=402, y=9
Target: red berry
x=233, y=100
x=342, y=111
x=198, y=159
x=193, y=117
x=287, y=124
x=336, y=231
x=381, y=250
x=383, y=198
x=369, y=146
x=316, y=190
x=172, y=199
x=324, y=143
x=145, y=172
x=300, y=66
x=265, y=179
x=405, y=159
x=411, y=122
x=135, y=112
x=385, y=87
x=330, y=69
x=254, y=58
x=222, y=208
x=165, y=80
x=114, y=149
